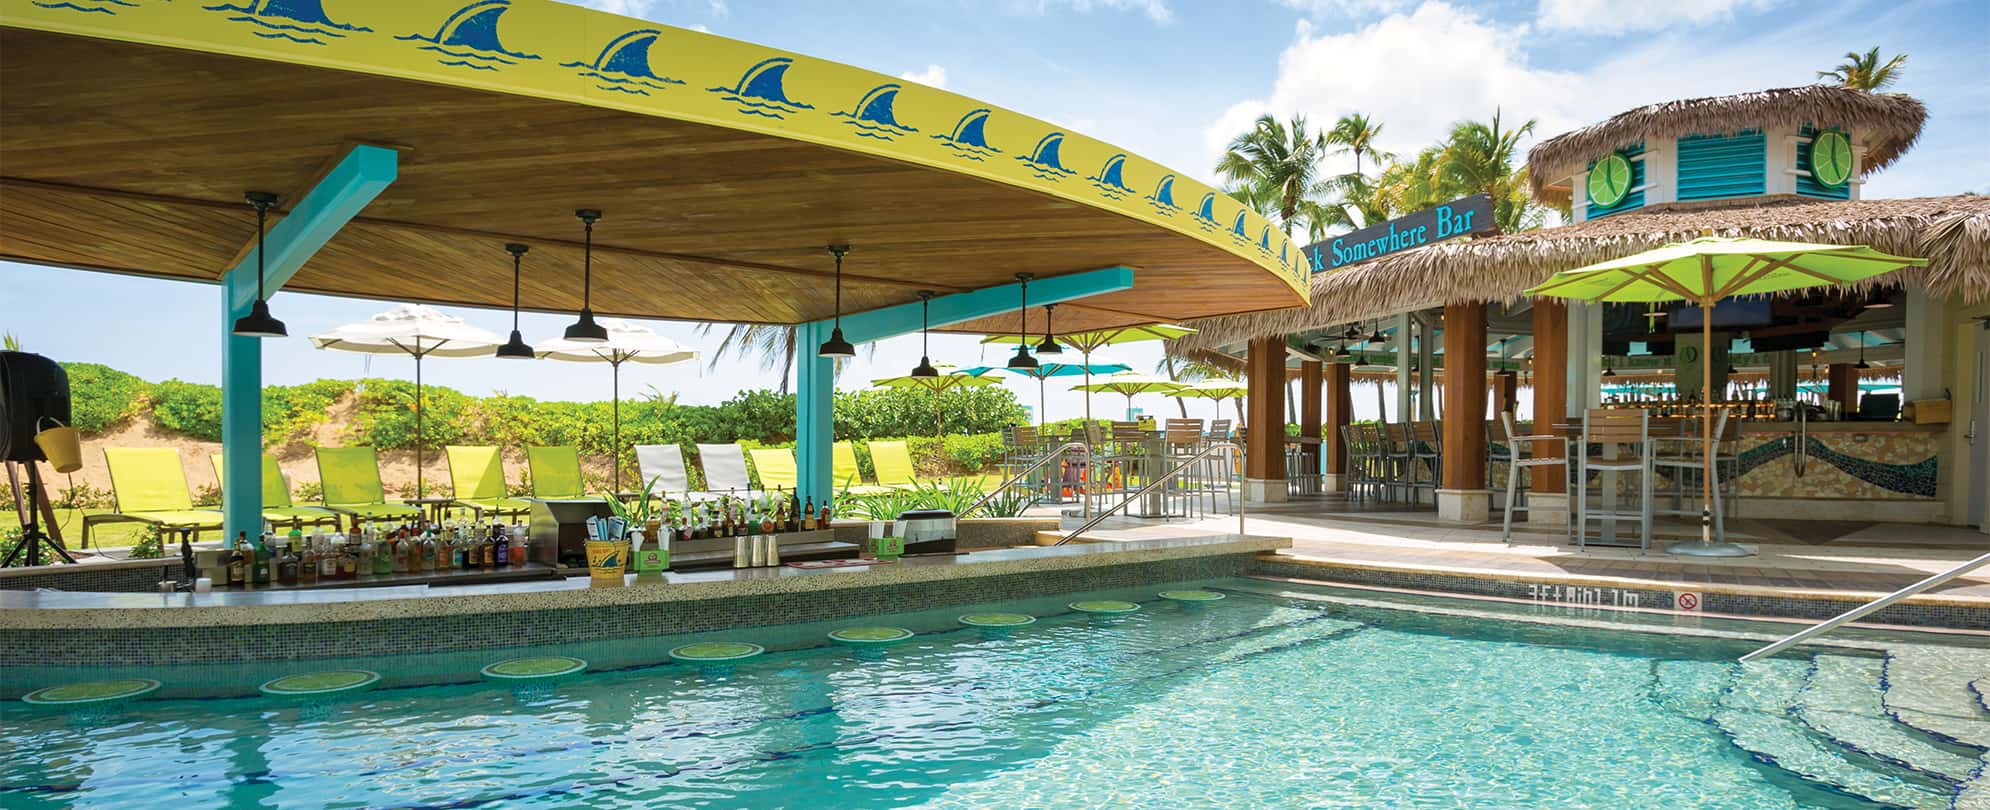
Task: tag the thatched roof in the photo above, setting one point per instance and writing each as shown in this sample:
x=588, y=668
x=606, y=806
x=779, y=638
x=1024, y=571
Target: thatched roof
x=1885, y=123
x=1953, y=233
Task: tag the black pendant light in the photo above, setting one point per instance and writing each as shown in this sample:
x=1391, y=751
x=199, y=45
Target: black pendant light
x=586, y=330
x=1504, y=369
x=1862, y=352
x=925, y=367
x=836, y=348
x=1342, y=353
x=515, y=348
x=1375, y=338
x=259, y=323
x=1607, y=370
x=1353, y=332
x=1049, y=344
x=1023, y=360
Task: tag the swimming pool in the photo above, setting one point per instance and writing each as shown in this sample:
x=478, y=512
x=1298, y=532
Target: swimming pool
x=1277, y=696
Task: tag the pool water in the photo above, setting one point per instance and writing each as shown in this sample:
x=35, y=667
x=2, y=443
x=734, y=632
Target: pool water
x=1277, y=696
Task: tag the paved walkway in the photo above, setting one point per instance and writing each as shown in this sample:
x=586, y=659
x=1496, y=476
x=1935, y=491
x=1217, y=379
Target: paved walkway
x=1846, y=558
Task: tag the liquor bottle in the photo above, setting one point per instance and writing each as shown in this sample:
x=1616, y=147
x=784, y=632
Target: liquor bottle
x=767, y=525
x=307, y=565
x=517, y=538
x=328, y=561
x=740, y=527
x=259, y=558
x=383, y=553
x=436, y=551
x=794, y=511
x=348, y=561
x=487, y=553
x=399, y=542
x=286, y=565
x=296, y=535
x=238, y=572
x=823, y=521
x=502, y=549
x=808, y=515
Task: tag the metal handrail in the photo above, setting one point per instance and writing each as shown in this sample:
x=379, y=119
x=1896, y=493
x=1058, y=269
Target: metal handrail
x=1047, y=458
x=1181, y=466
x=1869, y=607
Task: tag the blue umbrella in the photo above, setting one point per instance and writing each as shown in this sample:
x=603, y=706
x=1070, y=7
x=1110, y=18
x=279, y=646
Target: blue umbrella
x=1051, y=370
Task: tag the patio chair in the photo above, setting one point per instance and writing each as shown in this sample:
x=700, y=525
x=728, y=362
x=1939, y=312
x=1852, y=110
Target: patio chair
x=351, y=478
x=1683, y=460
x=776, y=466
x=846, y=475
x=555, y=472
x=277, y=506
x=476, y=481
x=1630, y=427
x=892, y=461
x=148, y=485
x=725, y=469
x=1519, y=459
x=662, y=468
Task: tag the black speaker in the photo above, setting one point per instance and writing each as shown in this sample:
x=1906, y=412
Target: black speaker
x=32, y=387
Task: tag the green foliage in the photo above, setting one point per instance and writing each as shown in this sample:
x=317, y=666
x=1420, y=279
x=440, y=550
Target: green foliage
x=101, y=397
x=385, y=416
x=309, y=492
x=207, y=496
x=953, y=496
x=909, y=412
x=150, y=544
x=291, y=411
x=82, y=496
x=190, y=409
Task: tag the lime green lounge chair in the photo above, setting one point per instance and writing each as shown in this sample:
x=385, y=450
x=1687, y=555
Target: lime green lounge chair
x=351, y=477
x=776, y=467
x=845, y=475
x=149, y=485
x=476, y=481
x=277, y=506
x=892, y=461
x=555, y=472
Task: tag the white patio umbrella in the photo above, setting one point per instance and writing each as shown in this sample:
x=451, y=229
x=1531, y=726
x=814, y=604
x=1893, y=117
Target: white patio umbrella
x=418, y=331
x=627, y=343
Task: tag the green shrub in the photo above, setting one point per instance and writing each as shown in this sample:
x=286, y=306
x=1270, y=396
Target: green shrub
x=149, y=545
x=291, y=411
x=385, y=416
x=101, y=397
x=309, y=492
x=189, y=409
x=82, y=496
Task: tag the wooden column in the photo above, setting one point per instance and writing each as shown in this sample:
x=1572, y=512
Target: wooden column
x=1264, y=448
x=1551, y=389
x=1844, y=385
x=1340, y=414
x=1506, y=393
x=1465, y=397
x=1309, y=411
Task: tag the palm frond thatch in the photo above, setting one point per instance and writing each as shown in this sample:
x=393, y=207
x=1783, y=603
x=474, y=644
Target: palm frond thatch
x=1953, y=233
x=1886, y=123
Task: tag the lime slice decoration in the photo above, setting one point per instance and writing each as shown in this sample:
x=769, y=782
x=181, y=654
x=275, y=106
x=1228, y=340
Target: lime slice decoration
x=1104, y=606
x=321, y=683
x=1831, y=158
x=709, y=651
x=77, y=694
x=1191, y=596
x=997, y=620
x=534, y=668
x=1610, y=181
x=870, y=635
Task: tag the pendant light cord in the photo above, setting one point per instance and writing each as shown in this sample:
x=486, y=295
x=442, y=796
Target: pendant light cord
x=839, y=286
x=1023, y=315
x=515, y=259
x=587, y=266
x=262, y=216
x=925, y=324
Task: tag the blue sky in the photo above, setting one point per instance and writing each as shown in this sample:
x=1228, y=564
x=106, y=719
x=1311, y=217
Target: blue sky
x=1171, y=80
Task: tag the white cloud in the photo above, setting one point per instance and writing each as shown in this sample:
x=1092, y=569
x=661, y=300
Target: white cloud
x=932, y=76
x=1415, y=73
x=1156, y=10
x=1343, y=8
x=1622, y=16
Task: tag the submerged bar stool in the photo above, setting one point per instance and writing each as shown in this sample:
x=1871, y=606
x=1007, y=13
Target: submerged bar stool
x=1426, y=455
x=1398, y=456
x=1517, y=462
x=1625, y=427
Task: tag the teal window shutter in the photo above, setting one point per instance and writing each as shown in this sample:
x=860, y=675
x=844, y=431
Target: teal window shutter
x=1807, y=185
x=1712, y=167
x=1633, y=200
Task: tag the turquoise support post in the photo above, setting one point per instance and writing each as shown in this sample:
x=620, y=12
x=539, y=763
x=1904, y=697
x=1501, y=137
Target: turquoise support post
x=815, y=378
x=311, y=222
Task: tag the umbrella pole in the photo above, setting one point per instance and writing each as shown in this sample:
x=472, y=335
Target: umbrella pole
x=615, y=452
x=1088, y=389
x=418, y=437
x=1707, y=547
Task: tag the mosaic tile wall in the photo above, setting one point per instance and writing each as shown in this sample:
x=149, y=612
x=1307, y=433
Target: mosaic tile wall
x=436, y=634
x=95, y=578
x=1865, y=466
x=1711, y=602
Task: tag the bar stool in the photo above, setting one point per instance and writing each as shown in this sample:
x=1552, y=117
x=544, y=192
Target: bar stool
x=1398, y=456
x=1686, y=461
x=1615, y=426
x=1517, y=461
x=1182, y=440
x=1427, y=454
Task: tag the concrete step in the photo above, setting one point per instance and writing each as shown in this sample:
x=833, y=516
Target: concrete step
x=1757, y=716
x=1928, y=687
x=1685, y=688
x=1841, y=700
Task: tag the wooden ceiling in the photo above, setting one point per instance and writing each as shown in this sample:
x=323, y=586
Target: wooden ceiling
x=133, y=158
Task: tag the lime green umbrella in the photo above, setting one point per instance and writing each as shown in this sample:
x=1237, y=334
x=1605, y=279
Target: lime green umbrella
x=1704, y=271
x=1129, y=383
x=1217, y=390
x=1088, y=342
x=948, y=380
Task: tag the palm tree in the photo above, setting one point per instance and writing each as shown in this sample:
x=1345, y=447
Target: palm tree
x=772, y=345
x=1479, y=158
x=1355, y=134
x=1864, y=71
x=1279, y=160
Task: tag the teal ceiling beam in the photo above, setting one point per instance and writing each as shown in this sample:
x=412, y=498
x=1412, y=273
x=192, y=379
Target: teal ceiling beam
x=311, y=222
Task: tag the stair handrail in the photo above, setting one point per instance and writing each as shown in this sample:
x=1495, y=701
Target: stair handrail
x=1869, y=607
x=1047, y=458
x=1181, y=466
